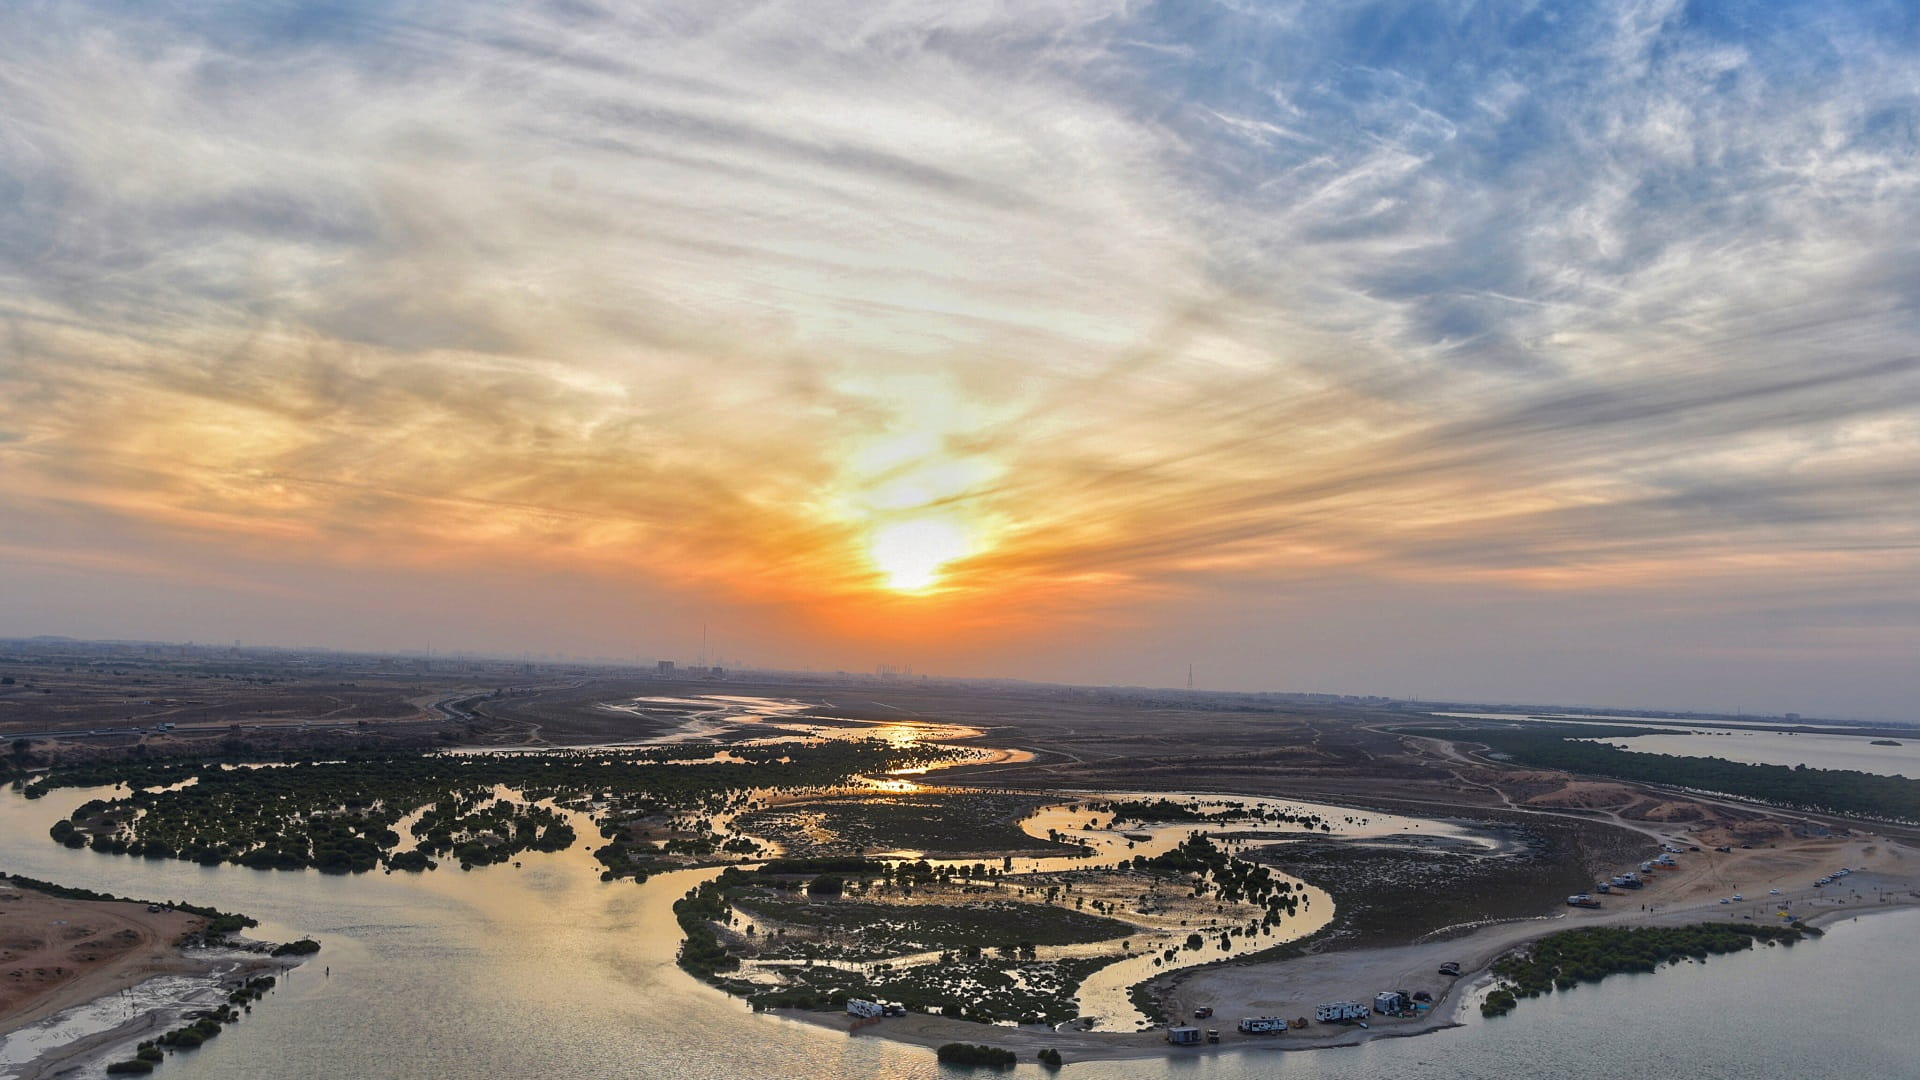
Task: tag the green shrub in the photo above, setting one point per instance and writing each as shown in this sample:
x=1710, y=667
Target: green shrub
x=1564, y=960
x=992, y=1057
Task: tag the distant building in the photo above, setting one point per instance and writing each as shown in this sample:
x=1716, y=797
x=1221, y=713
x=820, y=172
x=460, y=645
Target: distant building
x=663, y=667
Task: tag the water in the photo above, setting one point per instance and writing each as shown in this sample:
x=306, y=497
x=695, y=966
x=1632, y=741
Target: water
x=1773, y=748
x=166, y=995
x=717, y=716
x=548, y=972
x=539, y=972
x=1755, y=745
x=1105, y=993
x=1603, y=720
x=1821, y=1008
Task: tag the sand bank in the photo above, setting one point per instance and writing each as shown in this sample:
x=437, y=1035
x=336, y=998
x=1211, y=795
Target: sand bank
x=82, y=981
x=55, y=953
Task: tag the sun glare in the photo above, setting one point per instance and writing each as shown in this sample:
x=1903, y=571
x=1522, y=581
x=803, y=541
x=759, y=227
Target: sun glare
x=911, y=554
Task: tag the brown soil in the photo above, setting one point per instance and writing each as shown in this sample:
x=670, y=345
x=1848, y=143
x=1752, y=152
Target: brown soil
x=57, y=953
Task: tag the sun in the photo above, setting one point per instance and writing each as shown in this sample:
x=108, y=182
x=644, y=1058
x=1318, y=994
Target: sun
x=911, y=554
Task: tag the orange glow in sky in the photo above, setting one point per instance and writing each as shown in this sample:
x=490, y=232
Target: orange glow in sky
x=818, y=328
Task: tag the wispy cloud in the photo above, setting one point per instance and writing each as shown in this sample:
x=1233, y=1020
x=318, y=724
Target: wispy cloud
x=1151, y=301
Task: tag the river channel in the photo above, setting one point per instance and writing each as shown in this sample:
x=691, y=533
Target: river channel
x=546, y=971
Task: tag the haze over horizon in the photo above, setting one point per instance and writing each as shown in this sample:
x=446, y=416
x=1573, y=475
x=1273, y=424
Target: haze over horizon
x=1577, y=360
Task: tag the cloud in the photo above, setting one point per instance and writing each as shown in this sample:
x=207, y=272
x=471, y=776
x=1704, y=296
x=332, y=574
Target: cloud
x=1155, y=299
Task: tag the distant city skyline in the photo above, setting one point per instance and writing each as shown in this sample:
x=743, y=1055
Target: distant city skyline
x=1561, y=352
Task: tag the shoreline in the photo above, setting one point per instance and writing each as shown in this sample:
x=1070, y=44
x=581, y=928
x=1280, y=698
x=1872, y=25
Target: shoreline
x=87, y=979
x=1887, y=878
x=110, y=945
x=162, y=1002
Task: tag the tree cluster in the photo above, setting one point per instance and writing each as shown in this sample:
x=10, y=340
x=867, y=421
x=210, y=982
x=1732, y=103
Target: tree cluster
x=1564, y=960
x=992, y=1057
x=1839, y=791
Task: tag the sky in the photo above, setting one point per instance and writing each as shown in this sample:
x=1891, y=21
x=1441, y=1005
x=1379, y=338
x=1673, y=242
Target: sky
x=1488, y=351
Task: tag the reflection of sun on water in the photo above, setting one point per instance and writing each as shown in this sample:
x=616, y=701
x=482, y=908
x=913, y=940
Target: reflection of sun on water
x=896, y=734
x=894, y=787
x=911, y=554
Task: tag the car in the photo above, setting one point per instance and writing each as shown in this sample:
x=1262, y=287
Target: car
x=1724, y=900
x=1203, y=1012
x=1737, y=898
x=1773, y=892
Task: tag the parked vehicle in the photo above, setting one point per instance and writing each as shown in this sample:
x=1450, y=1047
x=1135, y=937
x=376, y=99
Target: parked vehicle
x=1340, y=1012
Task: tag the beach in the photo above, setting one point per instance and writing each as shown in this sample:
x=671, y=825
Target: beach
x=57, y=953
x=84, y=979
